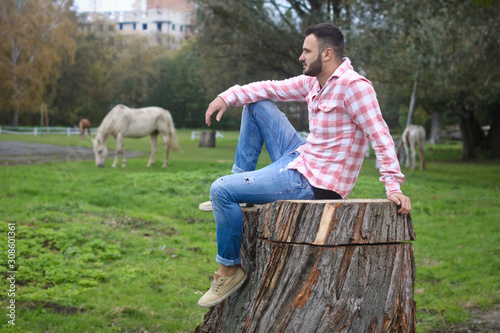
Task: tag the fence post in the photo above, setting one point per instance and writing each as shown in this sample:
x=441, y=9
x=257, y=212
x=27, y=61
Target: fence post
x=36, y=131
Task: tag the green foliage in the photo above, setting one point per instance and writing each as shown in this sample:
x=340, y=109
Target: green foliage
x=179, y=87
x=452, y=45
x=113, y=69
x=85, y=87
x=36, y=37
x=58, y=264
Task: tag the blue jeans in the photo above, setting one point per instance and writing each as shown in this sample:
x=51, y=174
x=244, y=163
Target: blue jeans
x=261, y=122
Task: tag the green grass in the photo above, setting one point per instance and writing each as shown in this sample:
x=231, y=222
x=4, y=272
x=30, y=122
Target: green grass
x=126, y=250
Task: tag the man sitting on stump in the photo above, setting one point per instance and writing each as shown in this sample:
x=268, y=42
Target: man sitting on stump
x=344, y=115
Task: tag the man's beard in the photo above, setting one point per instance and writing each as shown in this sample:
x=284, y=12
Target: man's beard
x=314, y=68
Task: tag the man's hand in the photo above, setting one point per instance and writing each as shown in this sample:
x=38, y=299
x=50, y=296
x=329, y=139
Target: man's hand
x=218, y=105
x=401, y=200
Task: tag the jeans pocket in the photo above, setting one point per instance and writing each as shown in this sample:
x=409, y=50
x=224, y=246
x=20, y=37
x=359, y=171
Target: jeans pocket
x=300, y=180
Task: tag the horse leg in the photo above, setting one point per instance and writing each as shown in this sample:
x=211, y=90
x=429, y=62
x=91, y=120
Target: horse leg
x=413, y=153
x=118, y=151
x=122, y=152
x=166, y=147
x=405, y=146
x=154, y=147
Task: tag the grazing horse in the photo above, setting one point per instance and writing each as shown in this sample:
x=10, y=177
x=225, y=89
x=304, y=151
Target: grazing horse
x=414, y=135
x=84, y=124
x=124, y=122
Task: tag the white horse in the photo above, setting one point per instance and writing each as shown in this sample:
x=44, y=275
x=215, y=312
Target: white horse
x=124, y=122
x=414, y=135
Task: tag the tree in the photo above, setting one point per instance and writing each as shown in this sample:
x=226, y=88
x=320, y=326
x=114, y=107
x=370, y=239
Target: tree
x=35, y=37
x=451, y=44
x=176, y=84
x=85, y=87
x=256, y=40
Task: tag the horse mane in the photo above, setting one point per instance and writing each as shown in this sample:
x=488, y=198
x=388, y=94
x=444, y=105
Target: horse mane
x=103, y=130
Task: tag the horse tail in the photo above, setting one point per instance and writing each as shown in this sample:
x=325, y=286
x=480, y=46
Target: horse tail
x=404, y=139
x=420, y=143
x=173, y=143
x=399, y=149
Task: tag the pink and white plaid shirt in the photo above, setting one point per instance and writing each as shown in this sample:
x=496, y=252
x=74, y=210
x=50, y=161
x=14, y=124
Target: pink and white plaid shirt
x=343, y=116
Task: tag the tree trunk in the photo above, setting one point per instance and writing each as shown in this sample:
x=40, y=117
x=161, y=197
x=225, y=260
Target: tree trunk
x=494, y=133
x=207, y=139
x=322, y=266
x=472, y=136
x=413, y=100
x=436, y=122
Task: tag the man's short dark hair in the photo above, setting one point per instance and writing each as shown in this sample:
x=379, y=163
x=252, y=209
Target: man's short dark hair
x=329, y=36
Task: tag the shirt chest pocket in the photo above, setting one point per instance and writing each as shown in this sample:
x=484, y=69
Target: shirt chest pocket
x=326, y=119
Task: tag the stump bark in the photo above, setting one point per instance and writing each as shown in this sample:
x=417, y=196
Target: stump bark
x=322, y=266
x=207, y=139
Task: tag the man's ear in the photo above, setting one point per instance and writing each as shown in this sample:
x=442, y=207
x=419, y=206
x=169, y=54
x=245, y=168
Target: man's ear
x=328, y=54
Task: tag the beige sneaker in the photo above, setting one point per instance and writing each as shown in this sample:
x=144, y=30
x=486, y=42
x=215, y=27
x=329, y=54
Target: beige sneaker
x=222, y=287
x=207, y=206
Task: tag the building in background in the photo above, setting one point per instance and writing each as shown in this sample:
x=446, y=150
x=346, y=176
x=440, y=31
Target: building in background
x=172, y=18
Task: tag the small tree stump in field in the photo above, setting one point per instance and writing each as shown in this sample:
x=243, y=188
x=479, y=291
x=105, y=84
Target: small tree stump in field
x=322, y=266
x=207, y=139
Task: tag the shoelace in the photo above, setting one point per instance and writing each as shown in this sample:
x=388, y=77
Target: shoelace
x=217, y=283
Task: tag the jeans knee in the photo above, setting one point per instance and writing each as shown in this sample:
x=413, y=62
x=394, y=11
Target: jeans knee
x=263, y=104
x=218, y=189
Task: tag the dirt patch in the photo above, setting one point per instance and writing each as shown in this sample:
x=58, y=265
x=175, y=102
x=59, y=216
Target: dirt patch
x=482, y=322
x=19, y=152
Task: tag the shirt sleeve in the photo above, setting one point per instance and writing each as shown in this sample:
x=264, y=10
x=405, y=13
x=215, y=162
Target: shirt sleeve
x=362, y=105
x=291, y=90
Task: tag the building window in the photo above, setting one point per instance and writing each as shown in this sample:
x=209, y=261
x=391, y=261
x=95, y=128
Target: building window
x=173, y=26
x=181, y=28
x=120, y=25
x=135, y=26
x=158, y=25
x=144, y=26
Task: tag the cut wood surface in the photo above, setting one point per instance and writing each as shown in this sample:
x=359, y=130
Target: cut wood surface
x=322, y=266
x=335, y=222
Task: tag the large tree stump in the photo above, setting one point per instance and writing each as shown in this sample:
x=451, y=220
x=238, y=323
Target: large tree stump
x=322, y=266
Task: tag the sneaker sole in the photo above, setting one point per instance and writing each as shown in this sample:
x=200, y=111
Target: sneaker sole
x=205, y=208
x=223, y=298
x=208, y=208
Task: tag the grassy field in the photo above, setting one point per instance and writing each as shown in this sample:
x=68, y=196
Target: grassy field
x=126, y=250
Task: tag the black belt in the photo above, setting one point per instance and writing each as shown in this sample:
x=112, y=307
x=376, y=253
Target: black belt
x=321, y=194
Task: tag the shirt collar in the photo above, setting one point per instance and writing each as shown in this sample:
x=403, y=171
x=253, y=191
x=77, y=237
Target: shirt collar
x=344, y=66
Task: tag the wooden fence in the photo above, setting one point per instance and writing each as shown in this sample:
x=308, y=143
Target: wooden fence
x=18, y=130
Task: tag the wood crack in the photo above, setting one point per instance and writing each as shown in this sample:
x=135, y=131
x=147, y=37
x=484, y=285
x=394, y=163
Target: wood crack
x=331, y=246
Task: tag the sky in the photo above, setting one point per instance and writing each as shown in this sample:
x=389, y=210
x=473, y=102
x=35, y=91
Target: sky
x=103, y=5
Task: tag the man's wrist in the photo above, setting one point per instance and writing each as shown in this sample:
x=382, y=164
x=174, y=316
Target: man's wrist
x=226, y=97
x=390, y=191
